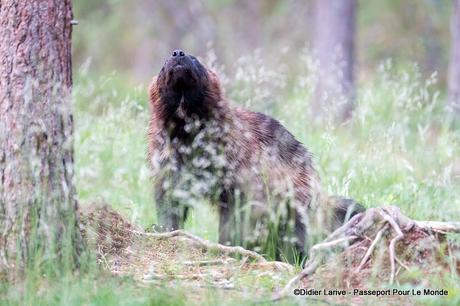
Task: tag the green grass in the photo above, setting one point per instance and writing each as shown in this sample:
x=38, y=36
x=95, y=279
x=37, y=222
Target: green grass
x=90, y=288
x=400, y=149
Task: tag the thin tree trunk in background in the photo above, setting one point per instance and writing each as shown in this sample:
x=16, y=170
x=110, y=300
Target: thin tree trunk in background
x=433, y=48
x=454, y=65
x=333, y=47
x=37, y=194
x=253, y=33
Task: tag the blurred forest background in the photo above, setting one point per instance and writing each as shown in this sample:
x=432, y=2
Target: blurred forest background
x=399, y=147
x=134, y=38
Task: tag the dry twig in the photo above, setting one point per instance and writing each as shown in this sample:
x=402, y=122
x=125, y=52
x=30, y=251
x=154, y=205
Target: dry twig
x=372, y=247
x=393, y=242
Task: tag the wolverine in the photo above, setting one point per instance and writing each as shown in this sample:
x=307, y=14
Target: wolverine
x=260, y=178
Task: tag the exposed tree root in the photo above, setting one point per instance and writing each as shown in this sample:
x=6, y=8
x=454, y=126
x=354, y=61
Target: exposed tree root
x=377, y=223
x=372, y=247
x=440, y=227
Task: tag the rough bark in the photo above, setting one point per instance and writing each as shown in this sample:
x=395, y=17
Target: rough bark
x=454, y=65
x=333, y=47
x=37, y=194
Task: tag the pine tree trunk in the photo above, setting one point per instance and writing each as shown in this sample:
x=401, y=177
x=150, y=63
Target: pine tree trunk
x=37, y=195
x=333, y=47
x=454, y=65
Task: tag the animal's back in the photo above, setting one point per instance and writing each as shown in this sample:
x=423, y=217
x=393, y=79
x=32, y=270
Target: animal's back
x=270, y=157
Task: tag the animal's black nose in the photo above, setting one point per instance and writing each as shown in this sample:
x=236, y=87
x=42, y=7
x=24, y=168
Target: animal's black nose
x=177, y=53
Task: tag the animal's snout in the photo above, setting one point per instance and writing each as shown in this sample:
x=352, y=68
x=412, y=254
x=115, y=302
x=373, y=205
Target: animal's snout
x=178, y=53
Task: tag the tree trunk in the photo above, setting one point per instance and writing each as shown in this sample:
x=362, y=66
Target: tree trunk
x=333, y=47
x=37, y=195
x=454, y=65
x=253, y=33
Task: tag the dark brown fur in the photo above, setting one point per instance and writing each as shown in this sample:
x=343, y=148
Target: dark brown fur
x=260, y=165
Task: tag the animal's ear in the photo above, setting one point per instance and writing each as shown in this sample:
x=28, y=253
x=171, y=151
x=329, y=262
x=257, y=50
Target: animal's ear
x=214, y=82
x=153, y=84
x=153, y=90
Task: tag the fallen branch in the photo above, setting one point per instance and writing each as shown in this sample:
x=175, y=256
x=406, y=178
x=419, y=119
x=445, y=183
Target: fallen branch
x=227, y=250
x=203, y=263
x=158, y=277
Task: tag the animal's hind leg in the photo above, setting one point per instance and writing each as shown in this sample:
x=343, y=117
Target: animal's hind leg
x=343, y=210
x=225, y=223
x=287, y=233
x=301, y=234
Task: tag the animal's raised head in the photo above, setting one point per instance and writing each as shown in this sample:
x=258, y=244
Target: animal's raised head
x=184, y=86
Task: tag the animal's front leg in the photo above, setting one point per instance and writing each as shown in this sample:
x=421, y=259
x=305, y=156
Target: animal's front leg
x=226, y=216
x=230, y=217
x=171, y=214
